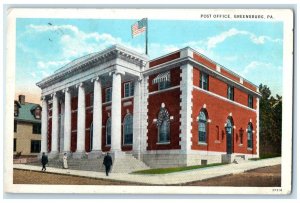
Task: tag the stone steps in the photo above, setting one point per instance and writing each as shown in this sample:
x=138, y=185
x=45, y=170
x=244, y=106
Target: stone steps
x=128, y=164
x=121, y=164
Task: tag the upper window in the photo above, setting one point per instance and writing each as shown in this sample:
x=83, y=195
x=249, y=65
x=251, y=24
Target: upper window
x=35, y=146
x=108, y=131
x=202, y=127
x=250, y=135
x=230, y=92
x=164, y=85
x=128, y=129
x=36, y=128
x=204, y=81
x=108, y=94
x=128, y=89
x=250, y=101
x=163, y=124
x=37, y=113
x=163, y=80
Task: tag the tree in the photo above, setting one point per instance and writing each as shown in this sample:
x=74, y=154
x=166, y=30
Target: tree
x=270, y=121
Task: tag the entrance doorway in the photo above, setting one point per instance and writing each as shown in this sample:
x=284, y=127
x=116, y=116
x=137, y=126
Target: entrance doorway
x=229, y=135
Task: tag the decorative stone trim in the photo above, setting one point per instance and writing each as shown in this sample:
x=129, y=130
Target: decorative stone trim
x=257, y=126
x=129, y=103
x=164, y=90
x=183, y=61
x=186, y=104
x=144, y=114
x=163, y=143
x=95, y=59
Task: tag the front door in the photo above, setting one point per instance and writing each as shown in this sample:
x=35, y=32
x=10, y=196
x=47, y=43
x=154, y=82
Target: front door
x=228, y=129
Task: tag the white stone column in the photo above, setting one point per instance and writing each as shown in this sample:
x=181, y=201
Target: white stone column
x=67, y=121
x=136, y=145
x=54, y=137
x=80, y=122
x=44, y=125
x=186, y=88
x=116, y=113
x=97, y=117
x=257, y=126
x=61, y=130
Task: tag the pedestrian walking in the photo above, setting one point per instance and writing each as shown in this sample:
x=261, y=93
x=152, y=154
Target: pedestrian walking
x=65, y=161
x=107, y=162
x=44, y=161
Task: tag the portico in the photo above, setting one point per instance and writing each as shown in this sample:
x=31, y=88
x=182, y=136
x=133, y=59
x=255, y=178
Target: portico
x=65, y=93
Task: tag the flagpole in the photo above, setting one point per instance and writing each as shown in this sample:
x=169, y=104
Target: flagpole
x=146, y=36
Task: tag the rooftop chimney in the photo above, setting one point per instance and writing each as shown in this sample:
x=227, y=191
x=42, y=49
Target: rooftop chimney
x=22, y=99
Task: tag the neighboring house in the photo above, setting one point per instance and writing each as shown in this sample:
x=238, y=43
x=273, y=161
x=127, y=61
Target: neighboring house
x=178, y=109
x=27, y=127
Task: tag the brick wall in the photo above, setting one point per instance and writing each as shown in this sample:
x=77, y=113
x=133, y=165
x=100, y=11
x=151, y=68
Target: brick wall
x=218, y=110
x=227, y=74
x=204, y=61
x=220, y=88
x=171, y=98
x=164, y=59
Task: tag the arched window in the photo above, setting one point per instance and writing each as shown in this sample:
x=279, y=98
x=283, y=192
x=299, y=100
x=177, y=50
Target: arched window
x=250, y=135
x=128, y=125
x=202, y=127
x=163, y=124
x=108, y=131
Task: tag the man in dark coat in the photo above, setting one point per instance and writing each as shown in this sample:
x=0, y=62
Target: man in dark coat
x=44, y=161
x=107, y=162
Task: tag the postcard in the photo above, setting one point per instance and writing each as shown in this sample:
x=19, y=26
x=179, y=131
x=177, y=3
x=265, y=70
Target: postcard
x=166, y=101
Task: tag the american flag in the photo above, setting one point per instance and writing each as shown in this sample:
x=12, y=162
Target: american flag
x=139, y=27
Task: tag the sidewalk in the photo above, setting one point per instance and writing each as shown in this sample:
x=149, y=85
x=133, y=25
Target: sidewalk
x=164, y=179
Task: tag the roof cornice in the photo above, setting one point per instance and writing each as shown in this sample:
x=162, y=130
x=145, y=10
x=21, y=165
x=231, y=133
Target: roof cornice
x=111, y=53
x=188, y=60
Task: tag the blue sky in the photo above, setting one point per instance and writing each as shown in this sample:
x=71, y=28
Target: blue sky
x=251, y=49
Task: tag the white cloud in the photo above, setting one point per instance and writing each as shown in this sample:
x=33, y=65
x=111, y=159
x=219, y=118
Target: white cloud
x=260, y=67
x=51, y=64
x=213, y=41
x=76, y=43
x=55, y=28
x=33, y=74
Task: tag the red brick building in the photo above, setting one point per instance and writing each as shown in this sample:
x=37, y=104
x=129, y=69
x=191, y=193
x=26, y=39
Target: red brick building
x=178, y=109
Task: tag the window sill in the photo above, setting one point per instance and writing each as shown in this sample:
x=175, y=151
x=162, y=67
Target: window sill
x=249, y=149
x=163, y=143
x=108, y=145
x=202, y=143
x=240, y=145
x=127, y=145
x=128, y=97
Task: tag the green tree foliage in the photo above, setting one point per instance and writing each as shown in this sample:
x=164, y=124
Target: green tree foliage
x=270, y=124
